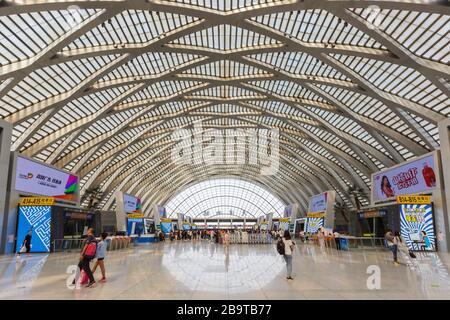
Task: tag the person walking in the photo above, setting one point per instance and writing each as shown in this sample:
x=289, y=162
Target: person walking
x=403, y=248
x=392, y=245
x=87, y=254
x=321, y=237
x=26, y=245
x=101, y=254
x=226, y=238
x=288, y=248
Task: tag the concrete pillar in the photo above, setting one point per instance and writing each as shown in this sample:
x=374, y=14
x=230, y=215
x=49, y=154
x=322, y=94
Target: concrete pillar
x=121, y=216
x=5, y=145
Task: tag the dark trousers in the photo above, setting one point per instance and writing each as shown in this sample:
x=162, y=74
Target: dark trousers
x=338, y=243
x=394, y=249
x=84, y=265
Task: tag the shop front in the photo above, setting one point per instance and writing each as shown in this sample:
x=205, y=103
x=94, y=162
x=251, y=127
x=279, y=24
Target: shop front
x=52, y=226
x=141, y=229
x=374, y=223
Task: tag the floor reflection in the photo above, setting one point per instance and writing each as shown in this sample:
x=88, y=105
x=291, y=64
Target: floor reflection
x=215, y=268
x=202, y=270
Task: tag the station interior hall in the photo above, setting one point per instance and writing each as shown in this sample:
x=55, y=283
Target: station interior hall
x=225, y=150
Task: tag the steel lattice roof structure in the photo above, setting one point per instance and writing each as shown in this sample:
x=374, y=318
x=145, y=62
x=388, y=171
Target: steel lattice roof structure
x=97, y=88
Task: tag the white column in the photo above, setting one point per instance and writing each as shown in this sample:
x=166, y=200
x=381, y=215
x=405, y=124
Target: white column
x=121, y=216
x=329, y=214
x=5, y=145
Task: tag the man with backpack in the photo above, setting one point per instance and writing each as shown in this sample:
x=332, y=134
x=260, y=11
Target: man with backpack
x=87, y=254
x=285, y=245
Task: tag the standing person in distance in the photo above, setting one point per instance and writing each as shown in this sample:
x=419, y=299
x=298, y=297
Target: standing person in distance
x=288, y=244
x=336, y=240
x=392, y=245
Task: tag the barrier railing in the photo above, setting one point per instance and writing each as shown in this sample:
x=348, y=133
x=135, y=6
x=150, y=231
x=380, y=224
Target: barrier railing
x=250, y=238
x=69, y=245
x=348, y=242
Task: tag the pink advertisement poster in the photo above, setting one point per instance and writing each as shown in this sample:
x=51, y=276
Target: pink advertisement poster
x=411, y=178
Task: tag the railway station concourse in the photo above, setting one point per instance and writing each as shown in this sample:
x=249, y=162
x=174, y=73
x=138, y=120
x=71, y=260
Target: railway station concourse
x=224, y=149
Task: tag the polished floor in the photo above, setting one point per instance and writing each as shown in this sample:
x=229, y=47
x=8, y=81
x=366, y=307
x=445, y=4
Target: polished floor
x=200, y=270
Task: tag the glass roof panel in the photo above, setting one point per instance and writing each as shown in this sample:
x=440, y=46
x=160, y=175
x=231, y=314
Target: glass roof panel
x=225, y=37
x=131, y=27
x=25, y=35
x=99, y=90
x=317, y=26
x=225, y=198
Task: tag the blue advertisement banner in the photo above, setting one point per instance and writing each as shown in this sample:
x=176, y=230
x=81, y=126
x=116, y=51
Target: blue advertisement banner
x=36, y=219
x=135, y=227
x=186, y=226
x=312, y=225
x=417, y=227
x=166, y=227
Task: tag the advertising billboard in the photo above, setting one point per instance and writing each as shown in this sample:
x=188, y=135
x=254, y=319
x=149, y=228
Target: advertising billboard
x=162, y=212
x=312, y=225
x=37, y=220
x=417, y=226
x=318, y=203
x=166, y=225
x=417, y=176
x=40, y=179
x=131, y=204
x=135, y=226
x=287, y=211
x=186, y=226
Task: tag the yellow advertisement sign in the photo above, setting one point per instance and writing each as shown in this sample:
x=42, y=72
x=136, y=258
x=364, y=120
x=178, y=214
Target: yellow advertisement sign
x=285, y=219
x=414, y=199
x=37, y=201
x=165, y=220
x=315, y=215
x=135, y=215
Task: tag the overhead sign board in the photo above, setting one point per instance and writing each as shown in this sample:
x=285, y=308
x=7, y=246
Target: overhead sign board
x=37, y=201
x=318, y=203
x=315, y=215
x=131, y=204
x=372, y=214
x=414, y=199
x=135, y=216
x=413, y=177
x=37, y=178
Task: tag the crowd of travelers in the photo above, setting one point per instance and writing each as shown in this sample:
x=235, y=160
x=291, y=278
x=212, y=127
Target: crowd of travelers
x=285, y=245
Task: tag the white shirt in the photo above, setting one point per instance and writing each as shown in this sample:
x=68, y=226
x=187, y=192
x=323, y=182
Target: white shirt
x=288, y=244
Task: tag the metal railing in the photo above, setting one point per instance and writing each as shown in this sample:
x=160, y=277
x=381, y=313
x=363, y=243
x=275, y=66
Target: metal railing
x=351, y=242
x=67, y=245
x=251, y=238
x=71, y=245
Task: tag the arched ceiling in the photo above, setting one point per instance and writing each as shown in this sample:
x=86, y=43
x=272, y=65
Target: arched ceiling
x=224, y=198
x=97, y=87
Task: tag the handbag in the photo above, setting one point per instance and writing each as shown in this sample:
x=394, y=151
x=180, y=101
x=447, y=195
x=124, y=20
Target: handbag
x=23, y=249
x=84, y=279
